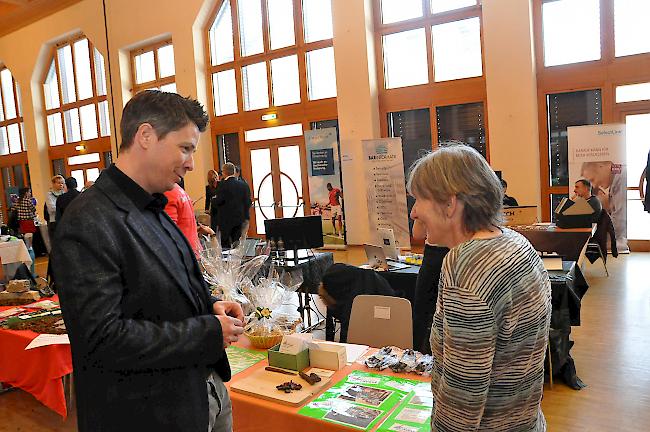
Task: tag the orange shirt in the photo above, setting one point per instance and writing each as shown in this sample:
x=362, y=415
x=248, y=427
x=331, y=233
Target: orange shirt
x=334, y=197
x=179, y=208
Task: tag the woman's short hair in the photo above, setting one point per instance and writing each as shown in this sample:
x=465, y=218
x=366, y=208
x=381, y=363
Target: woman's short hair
x=461, y=171
x=57, y=177
x=212, y=174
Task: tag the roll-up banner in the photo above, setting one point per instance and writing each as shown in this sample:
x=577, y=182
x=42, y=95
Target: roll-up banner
x=325, y=191
x=597, y=153
x=386, y=189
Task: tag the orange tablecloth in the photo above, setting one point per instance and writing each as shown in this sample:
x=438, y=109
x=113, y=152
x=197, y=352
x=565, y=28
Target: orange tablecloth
x=251, y=414
x=38, y=371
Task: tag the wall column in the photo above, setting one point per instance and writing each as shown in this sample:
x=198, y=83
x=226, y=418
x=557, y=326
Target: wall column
x=511, y=85
x=358, y=105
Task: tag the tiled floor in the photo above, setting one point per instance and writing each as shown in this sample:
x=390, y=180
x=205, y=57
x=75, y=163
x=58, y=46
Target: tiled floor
x=612, y=355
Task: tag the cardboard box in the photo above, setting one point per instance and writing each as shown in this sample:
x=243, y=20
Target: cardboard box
x=296, y=362
x=329, y=356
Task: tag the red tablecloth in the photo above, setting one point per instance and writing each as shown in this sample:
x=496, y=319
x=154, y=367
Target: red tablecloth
x=38, y=371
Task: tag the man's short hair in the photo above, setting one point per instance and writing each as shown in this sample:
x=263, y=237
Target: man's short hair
x=71, y=183
x=165, y=112
x=586, y=183
x=329, y=185
x=228, y=169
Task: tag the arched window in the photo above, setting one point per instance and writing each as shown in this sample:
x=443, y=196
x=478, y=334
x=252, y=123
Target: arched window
x=13, y=158
x=272, y=76
x=12, y=136
x=76, y=108
x=153, y=67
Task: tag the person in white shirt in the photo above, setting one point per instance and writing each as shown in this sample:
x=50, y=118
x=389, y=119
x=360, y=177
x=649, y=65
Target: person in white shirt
x=57, y=189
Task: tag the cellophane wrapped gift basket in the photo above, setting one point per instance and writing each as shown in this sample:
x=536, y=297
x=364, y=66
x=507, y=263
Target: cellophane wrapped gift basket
x=264, y=294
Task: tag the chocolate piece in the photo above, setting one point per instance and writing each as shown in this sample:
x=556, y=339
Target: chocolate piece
x=312, y=378
x=289, y=386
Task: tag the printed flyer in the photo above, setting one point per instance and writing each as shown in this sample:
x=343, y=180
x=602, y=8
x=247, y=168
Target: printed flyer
x=414, y=414
x=242, y=358
x=360, y=400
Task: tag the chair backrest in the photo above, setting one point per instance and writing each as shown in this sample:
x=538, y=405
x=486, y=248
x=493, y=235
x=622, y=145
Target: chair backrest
x=380, y=321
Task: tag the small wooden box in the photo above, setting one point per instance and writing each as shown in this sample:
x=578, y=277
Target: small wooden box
x=295, y=362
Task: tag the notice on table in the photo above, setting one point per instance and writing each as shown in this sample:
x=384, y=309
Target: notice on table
x=414, y=412
x=360, y=400
x=386, y=189
x=48, y=339
x=241, y=358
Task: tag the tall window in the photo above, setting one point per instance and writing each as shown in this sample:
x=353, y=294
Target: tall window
x=12, y=136
x=429, y=59
x=422, y=45
x=261, y=57
x=75, y=94
x=153, y=67
x=592, y=60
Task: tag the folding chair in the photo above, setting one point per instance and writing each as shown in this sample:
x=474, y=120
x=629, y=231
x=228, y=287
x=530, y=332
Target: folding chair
x=594, y=248
x=379, y=321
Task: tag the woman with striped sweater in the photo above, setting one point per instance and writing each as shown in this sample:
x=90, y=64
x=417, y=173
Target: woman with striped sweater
x=491, y=323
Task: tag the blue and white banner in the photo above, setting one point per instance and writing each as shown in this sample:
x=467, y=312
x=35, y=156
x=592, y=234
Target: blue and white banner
x=325, y=191
x=383, y=163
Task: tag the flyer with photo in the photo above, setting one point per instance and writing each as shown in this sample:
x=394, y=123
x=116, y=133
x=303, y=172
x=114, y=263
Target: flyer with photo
x=242, y=358
x=413, y=414
x=360, y=400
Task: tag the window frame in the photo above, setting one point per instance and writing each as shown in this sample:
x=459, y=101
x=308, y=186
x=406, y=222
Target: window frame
x=604, y=74
x=432, y=94
x=305, y=112
x=16, y=120
x=100, y=144
x=158, y=81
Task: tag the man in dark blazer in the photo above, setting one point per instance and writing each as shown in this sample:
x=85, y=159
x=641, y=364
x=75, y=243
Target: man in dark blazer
x=148, y=342
x=233, y=203
x=63, y=201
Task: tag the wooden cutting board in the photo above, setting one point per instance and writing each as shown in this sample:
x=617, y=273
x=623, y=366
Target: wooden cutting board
x=262, y=384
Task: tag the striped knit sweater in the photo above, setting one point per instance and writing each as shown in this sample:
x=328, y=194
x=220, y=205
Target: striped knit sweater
x=489, y=337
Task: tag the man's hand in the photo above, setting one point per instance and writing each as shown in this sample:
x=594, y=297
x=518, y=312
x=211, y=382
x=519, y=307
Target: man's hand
x=231, y=328
x=228, y=308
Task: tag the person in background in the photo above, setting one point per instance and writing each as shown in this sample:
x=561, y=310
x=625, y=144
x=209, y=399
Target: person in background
x=426, y=289
x=492, y=319
x=64, y=200
x=508, y=201
x=87, y=185
x=645, y=178
x=26, y=213
x=180, y=210
x=335, y=196
x=148, y=341
x=232, y=205
x=582, y=189
x=247, y=220
x=211, y=188
x=49, y=212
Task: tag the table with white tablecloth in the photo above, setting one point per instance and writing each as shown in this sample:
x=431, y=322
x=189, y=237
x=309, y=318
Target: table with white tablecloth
x=13, y=253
